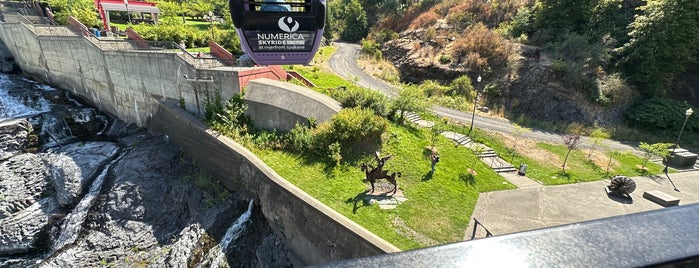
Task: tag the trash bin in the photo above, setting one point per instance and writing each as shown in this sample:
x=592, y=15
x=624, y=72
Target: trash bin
x=522, y=169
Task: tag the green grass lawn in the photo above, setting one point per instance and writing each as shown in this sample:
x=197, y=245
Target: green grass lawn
x=578, y=167
x=439, y=206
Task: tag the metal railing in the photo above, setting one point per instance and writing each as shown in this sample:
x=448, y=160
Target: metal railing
x=667, y=237
x=479, y=232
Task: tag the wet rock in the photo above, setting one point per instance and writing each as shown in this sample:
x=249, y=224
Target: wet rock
x=23, y=179
x=27, y=230
x=74, y=166
x=14, y=136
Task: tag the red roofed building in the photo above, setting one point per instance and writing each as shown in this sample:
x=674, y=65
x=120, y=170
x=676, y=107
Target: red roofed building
x=104, y=6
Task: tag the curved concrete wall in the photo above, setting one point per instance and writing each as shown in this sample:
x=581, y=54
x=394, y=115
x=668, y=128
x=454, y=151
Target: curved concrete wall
x=315, y=232
x=280, y=105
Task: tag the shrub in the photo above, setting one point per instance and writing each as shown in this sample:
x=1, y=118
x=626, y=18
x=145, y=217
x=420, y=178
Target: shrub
x=425, y=19
x=615, y=89
x=355, y=97
x=372, y=49
x=661, y=114
x=444, y=59
x=433, y=88
x=351, y=127
x=479, y=46
x=462, y=86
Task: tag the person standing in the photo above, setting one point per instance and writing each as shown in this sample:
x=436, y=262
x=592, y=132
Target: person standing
x=434, y=158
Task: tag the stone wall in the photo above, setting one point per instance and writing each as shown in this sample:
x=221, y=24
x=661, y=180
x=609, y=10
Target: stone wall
x=315, y=232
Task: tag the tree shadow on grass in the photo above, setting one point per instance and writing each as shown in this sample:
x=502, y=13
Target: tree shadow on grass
x=357, y=199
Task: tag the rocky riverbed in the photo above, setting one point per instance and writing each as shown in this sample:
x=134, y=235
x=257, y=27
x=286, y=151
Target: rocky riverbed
x=79, y=189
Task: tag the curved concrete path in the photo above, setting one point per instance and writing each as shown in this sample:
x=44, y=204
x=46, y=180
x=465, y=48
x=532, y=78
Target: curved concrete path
x=523, y=209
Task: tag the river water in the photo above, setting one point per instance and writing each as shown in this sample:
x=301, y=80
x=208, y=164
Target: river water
x=80, y=189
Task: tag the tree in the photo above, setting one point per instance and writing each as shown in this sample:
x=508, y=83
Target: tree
x=82, y=10
x=354, y=21
x=409, y=99
x=462, y=86
x=596, y=137
x=664, y=40
x=657, y=149
x=559, y=17
x=571, y=140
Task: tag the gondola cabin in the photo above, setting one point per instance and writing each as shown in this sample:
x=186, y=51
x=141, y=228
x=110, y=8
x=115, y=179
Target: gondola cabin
x=275, y=32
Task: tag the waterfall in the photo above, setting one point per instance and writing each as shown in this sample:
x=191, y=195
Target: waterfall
x=70, y=229
x=15, y=107
x=217, y=255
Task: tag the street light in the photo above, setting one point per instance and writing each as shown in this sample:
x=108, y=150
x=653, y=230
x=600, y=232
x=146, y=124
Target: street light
x=677, y=144
x=126, y=3
x=475, y=103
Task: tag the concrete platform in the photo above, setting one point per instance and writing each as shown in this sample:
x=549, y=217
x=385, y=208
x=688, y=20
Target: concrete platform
x=529, y=208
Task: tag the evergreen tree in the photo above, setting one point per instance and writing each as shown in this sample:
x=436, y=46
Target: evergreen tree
x=664, y=40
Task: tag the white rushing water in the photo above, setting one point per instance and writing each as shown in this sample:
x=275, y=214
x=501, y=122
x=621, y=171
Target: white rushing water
x=15, y=107
x=217, y=255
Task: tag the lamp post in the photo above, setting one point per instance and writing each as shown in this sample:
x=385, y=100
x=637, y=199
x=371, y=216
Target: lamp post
x=677, y=144
x=126, y=3
x=475, y=104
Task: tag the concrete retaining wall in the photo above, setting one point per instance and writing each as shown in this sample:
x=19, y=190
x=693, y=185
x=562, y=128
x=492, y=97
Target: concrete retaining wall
x=314, y=231
x=280, y=105
x=115, y=81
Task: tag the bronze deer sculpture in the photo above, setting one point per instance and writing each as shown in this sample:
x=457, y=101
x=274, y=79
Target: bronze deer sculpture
x=376, y=173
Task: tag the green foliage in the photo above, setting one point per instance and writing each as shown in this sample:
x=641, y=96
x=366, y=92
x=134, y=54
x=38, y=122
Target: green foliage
x=656, y=149
x=384, y=35
x=341, y=188
x=433, y=88
x=520, y=25
x=231, y=120
x=444, y=59
x=352, y=97
x=350, y=18
x=556, y=18
x=613, y=89
x=82, y=10
x=409, y=99
x=334, y=152
x=664, y=40
x=659, y=114
x=372, y=49
x=462, y=86
x=350, y=127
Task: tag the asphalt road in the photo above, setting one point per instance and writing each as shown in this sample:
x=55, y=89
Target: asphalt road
x=344, y=63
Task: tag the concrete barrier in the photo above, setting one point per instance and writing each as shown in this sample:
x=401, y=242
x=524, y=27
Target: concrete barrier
x=315, y=232
x=280, y=105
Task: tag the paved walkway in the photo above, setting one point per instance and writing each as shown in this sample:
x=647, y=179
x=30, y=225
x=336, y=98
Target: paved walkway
x=534, y=207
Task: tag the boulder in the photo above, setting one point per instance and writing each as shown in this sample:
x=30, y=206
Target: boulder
x=14, y=136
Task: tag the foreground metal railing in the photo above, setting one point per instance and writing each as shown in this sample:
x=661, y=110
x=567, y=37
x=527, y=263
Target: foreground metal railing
x=667, y=237
x=478, y=229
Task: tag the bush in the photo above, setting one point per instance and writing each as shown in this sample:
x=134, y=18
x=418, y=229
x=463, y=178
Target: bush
x=355, y=97
x=661, y=114
x=433, y=88
x=444, y=59
x=350, y=127
x=462, y=86
x=372, y=49
x=425, y=19
x=614, y=88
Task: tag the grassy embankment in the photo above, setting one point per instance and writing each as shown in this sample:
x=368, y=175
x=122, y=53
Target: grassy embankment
x=438, y=207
